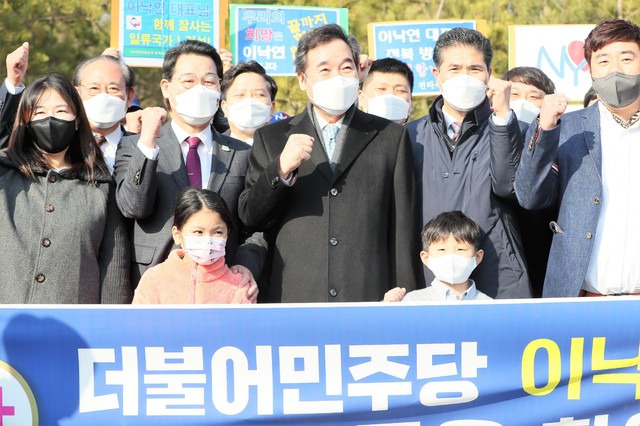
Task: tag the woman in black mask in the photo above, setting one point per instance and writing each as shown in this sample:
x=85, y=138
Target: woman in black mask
x=63, y=237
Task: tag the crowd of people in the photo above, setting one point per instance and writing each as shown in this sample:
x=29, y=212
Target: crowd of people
x=102, y=201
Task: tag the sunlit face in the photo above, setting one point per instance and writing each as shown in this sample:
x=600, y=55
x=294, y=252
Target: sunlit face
x=326, y=61
x=103, y=77
x=52, y=104
x=450, y=245
x=461, y=59
x=383, y=83
x=190, y=70
x=247, y=85
x=621, y=56
x=528, y=92
x=205, y=222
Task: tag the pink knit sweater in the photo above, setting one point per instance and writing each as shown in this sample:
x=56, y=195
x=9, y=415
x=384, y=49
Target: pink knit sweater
x=180, y=281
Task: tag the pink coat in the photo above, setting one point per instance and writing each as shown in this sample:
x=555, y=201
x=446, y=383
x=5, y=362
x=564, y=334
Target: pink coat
x=180, y=281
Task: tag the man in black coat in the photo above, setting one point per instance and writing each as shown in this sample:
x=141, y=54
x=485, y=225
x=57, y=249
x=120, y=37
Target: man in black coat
x=333, y=188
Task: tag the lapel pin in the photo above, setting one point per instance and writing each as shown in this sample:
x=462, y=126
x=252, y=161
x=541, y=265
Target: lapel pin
x=225, y=148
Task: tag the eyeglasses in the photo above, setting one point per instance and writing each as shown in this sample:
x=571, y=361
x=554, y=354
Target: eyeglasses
x=210, y=81
x=96, y=89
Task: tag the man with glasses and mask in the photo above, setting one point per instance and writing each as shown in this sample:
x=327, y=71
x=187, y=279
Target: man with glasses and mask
x=466, y=158
x=333, y=188
x=153, y=167
x=586, y=164
x=105, y=85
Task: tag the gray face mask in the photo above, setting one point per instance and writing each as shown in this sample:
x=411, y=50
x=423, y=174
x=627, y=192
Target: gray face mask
x=617, y=89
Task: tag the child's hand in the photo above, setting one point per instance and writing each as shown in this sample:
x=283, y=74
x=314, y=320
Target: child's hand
x=395, y=295
x=247, y=279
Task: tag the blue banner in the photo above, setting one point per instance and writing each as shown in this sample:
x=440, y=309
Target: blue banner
x=412, y=42
x=481, y=364
x=148, y=28
x=270, y=34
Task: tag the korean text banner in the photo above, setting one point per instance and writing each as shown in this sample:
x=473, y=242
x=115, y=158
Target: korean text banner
x=270, y=34
x=148, y=28
x=557, y=50
x=509, y=364
x=412, y=42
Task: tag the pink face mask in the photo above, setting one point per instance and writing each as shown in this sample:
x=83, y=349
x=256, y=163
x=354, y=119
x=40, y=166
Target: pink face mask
x=204, y=250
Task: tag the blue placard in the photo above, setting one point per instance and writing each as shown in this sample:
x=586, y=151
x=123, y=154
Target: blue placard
x=412, y=42
x=148, y=28
x=481, y=364
x=270, y=34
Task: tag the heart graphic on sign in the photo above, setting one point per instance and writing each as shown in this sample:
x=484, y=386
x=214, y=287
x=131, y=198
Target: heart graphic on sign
x=576, y=53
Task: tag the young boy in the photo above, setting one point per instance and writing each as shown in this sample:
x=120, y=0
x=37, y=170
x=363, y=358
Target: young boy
x=451, y=250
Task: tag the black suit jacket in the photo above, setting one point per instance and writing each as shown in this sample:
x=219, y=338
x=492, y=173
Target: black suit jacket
x=344, y=236
x=147, y=190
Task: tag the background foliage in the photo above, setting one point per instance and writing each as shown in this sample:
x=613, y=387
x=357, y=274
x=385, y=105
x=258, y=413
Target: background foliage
x=64, y=32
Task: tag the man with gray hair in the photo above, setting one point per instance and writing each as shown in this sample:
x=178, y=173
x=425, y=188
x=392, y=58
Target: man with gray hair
x=467, y=155
x=333, y=187
x=105, y=85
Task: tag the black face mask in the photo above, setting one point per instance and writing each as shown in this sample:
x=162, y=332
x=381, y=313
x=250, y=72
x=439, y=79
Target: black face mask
x=52, y=134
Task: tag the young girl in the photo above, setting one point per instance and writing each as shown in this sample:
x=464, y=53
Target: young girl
x=197, y=273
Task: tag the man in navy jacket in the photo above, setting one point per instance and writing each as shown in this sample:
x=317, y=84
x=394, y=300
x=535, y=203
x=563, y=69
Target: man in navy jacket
x=466, y=158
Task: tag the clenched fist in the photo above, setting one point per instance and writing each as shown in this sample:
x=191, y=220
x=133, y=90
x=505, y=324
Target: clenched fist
x=17, y=63
x=553, y=106
x=151, y=121
x=500, y=92
x=296, y=151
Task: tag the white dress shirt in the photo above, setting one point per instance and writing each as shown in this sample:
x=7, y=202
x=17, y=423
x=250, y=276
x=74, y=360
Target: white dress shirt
x=248, y=140
x=205, y=150
x=322, y=122
x=615, y=259
x=110, y=147
x=14, y=90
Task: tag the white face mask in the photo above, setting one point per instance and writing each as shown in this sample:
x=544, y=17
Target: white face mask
x=204, y=250
x=249, y=114
x=389, y=106
x=197, y=105
x=105, y=110
x=524, y=110
x=464, y=92
x=452, y=268
x=335, y=95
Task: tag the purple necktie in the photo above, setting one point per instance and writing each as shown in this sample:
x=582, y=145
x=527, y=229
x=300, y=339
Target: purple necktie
x=193, y=163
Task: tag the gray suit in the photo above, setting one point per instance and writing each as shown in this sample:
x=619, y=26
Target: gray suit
x=563, y=168
x=147, y=191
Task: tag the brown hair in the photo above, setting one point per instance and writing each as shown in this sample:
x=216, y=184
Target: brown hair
x=83, y=153
x=610, y=31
